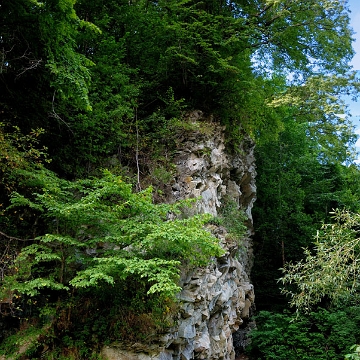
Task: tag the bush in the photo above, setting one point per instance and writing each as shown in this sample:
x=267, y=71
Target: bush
x=322, y=334
x=107, y=248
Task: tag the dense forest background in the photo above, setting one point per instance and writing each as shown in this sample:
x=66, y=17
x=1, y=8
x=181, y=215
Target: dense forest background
x=89, y=85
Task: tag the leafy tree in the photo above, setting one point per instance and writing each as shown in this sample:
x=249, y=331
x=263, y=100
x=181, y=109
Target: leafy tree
x=298, y=183
x=41, y=70
x=203, y=53
x=38, y=38
x=200, y=52
x=329, y=272
x=99, y=231
x=97, y=238
x=299, y=35
x=282, y=225
x=355, y=355
x=317, y=104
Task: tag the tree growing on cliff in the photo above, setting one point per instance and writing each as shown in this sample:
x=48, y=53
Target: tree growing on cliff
x=98, y=230
x=166, y=56
x=160, y=57
x=99, y=237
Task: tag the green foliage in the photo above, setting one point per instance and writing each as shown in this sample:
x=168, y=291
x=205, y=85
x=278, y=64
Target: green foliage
x=41, y=70
x=149, y=62
x=355, y=355
x=105, y=246
x=317, y=104
x=123, y=312
x=24, y=342
x=202, y=52
x=41, y=36
x=297, y=186
x=281, y=25
x=331, y=270
x=233, y=219
x=322, y=334
x=100, y=231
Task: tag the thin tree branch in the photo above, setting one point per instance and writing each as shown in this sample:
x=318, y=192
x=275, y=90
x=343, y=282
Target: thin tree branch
x=56, y=116
x=138, y=185
x=14, y=238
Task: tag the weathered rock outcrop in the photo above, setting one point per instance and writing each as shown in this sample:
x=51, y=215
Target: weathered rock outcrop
x=216, y=300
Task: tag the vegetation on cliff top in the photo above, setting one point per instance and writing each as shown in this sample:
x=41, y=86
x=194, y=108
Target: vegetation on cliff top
x=83, y=82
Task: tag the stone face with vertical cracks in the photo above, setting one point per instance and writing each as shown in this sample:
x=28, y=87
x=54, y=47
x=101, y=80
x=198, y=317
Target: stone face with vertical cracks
x=217, y=299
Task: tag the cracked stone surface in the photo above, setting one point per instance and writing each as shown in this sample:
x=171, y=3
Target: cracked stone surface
x=216, y=300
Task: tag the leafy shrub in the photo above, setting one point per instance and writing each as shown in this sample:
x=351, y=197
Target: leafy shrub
x=110, y=248
x=355, y=355
x=323, y=334
x=100, y=231
x=233, y=219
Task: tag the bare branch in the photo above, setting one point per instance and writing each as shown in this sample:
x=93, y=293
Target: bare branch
x=34, y=63
x=56, y=116
x=14, y=238
x=138, y=185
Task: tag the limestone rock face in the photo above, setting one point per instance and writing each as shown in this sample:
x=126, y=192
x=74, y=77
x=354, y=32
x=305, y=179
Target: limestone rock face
x=216, y=300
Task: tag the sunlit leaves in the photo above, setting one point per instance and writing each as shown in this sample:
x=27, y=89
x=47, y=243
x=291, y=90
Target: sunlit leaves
x=330, y=270
x=318, y=105
x=99, y=231
x=303, y=36
x=162, y=274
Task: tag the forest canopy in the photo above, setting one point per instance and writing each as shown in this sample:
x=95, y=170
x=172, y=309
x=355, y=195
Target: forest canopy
x=60, y=59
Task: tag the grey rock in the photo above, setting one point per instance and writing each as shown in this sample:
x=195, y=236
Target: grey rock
x=187, y=329
x=217, y=299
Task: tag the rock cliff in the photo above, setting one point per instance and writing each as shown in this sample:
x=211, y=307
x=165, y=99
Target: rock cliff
x=216, y=300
